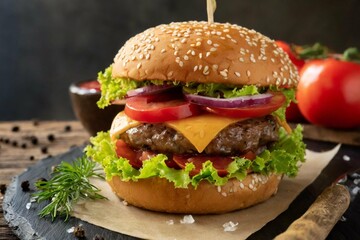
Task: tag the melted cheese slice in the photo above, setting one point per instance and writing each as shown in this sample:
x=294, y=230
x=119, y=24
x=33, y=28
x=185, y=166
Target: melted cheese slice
x=199, y=130
x=120, y=124
x=202, y=129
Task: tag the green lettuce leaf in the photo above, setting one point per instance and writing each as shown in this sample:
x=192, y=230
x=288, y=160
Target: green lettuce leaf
x=284, y=157
x=116, y=88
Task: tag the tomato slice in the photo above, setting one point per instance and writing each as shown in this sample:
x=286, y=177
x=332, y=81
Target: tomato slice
x=252, y=111
x=152, y=110
x=220, y=163
x=135, y=157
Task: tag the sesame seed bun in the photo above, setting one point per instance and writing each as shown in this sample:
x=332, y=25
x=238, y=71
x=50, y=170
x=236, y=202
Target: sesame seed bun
x=158, y=194
x=205, y=53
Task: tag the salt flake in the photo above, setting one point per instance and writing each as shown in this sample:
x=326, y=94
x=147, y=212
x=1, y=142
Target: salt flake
x=188, y=219
x=230, y=226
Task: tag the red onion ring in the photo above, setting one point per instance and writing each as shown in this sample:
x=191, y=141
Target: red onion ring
x=237, y=102
x=148, y=90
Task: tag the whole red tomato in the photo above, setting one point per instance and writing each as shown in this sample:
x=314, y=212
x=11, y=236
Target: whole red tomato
x=293, y=113
x=328, y=93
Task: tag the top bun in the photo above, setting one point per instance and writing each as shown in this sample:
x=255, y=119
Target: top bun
x=205, y=53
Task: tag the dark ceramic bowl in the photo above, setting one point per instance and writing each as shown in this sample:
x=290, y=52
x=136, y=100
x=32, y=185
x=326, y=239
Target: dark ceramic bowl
x=83, y=98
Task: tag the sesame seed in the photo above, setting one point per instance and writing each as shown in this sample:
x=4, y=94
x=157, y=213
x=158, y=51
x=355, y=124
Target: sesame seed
x=209, y=42
x=192, y=45
x=242, y=185
x=251, y=186
x=218, y=188
x=213, y=49
x=147, y=57
x=133, y=58
x=200, y=55
x=163, y=50
x=170, y=73
x=248, y=73
x=237, y=74
x=215, y=67
x=207, y=54
x=189, y=51
x=176, y=53
x=206, y=70
x=224, y=194
x=226, y=30
x=218, y=33
x=200, y=67
x=241, y=59
x=186, y=57
x=224, y=73
x=195, y=68
x=183, y=40
x=272, y=59
x=181, y=64
x=216, y=45
x=193, y=52
x=198, y=44
x=138, y=66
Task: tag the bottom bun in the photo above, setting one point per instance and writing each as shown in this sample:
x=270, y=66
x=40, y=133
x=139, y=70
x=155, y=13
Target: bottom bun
x=158, y=194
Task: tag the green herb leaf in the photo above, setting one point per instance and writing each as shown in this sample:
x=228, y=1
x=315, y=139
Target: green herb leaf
x=69, y=184
x=352, y=55
x=316, y=51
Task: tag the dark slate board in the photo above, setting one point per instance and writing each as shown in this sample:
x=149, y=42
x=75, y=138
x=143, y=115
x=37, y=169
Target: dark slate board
x=27, y=225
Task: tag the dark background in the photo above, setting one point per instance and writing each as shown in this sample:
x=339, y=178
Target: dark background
x=47, y=44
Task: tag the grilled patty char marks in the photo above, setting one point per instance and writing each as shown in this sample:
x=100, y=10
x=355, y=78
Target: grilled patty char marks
x=237, y=138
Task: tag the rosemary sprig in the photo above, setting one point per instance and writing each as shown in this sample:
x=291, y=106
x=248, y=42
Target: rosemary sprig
x=69, y=183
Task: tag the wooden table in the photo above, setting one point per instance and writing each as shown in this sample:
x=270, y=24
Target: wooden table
x=26, y=142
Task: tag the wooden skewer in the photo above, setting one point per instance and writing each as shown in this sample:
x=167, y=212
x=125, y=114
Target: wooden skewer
x=211, y=7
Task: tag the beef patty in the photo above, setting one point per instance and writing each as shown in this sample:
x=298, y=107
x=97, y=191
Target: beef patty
x=235, y=139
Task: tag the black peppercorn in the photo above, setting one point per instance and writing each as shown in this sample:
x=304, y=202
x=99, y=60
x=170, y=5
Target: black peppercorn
x=23, y=145
x=14, y=143
x=67, y=128
x=2, y=188
x=15, y=129
x=32, y=158
x=34, y=140
x=79, y=232
x=51, y=137
x=44, y=150
x=25, y=185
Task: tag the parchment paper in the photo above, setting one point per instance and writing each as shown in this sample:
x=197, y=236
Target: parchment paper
x=114, y=215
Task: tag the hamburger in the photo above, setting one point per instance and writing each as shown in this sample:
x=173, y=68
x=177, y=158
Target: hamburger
x=203, y=130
